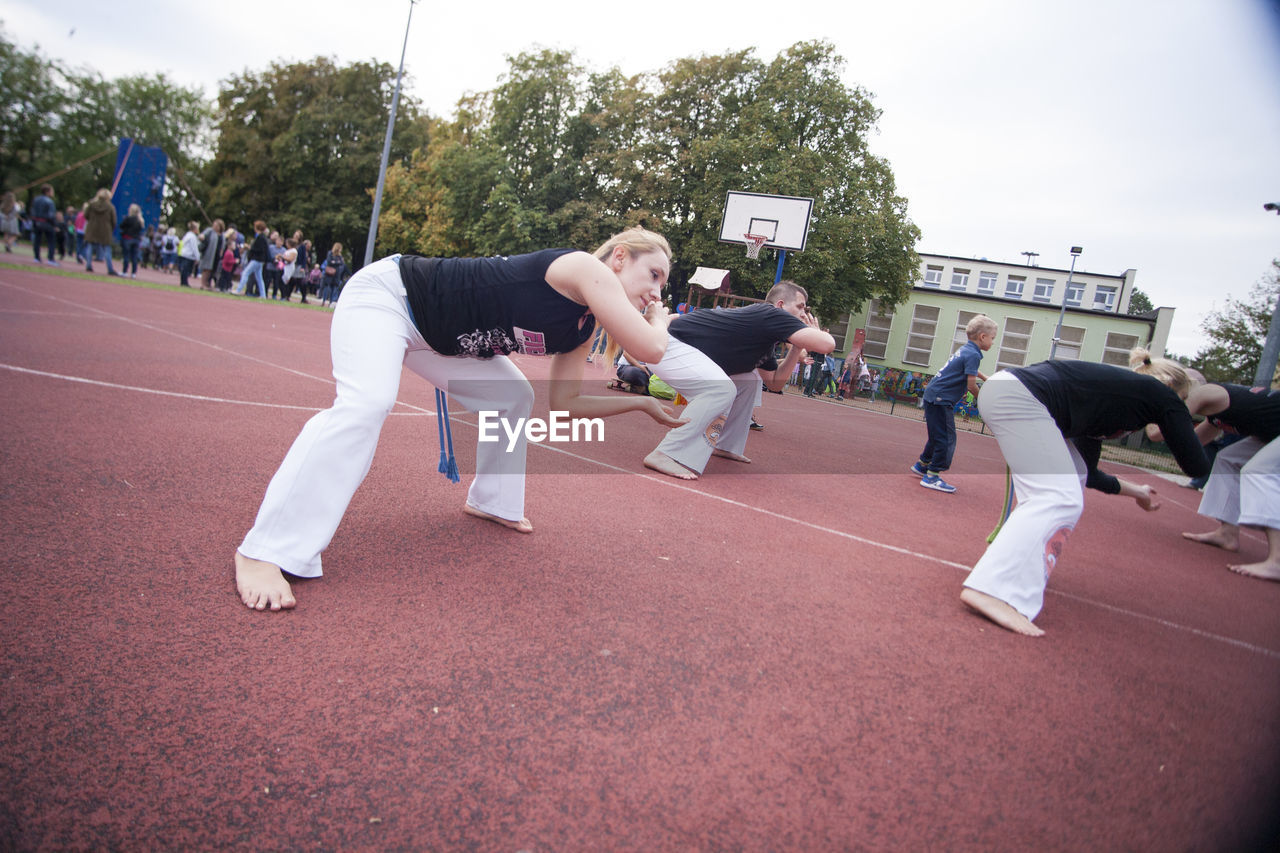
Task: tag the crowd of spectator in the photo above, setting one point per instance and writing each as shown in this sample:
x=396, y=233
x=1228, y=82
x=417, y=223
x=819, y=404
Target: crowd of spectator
x=263, y=264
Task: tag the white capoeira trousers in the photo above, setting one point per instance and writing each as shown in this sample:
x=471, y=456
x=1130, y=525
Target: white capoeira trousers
x=371, y=339
x=1048, y=479
x=719, y=410
x=1244, y=486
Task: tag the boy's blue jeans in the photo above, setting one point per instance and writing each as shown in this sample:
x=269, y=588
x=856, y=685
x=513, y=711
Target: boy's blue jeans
x=940, y=420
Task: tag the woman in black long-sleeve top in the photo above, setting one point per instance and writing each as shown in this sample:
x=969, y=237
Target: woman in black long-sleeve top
x=1035, y=413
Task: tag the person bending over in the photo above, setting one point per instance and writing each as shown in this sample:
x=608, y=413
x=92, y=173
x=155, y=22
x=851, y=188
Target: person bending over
x=453, y=321
x=711, y=359
x=1034, y=413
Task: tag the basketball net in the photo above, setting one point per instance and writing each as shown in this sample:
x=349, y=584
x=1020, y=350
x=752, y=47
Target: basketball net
x=755, y=242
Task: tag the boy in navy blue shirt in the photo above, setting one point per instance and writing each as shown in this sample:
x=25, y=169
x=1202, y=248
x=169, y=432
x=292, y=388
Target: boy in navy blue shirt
x=958, y=375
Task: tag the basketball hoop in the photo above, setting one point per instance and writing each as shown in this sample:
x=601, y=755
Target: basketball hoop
x=755, y=242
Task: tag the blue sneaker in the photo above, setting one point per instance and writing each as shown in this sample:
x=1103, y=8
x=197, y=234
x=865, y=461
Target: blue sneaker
x=935, y=482
x=918, y=470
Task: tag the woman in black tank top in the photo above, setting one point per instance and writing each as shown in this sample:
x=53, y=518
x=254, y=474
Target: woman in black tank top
x=453, y=322
x=1244, y=486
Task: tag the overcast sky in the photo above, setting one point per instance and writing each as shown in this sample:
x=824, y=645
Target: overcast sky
x=1146, y=131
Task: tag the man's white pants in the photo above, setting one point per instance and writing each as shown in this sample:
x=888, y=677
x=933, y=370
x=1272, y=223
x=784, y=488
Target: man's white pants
x=1048, y=479
x=1244, y=486
x=371, y=339
x=719, y=410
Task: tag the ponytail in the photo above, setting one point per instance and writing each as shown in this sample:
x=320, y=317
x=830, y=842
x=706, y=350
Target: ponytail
x=1165, y=370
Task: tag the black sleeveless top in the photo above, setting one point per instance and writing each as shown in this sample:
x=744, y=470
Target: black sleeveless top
x=1251, y=411
x=482, y=307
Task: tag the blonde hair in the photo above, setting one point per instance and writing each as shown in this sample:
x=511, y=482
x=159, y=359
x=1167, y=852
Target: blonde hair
x=103, y=194
x=980, y=324
x=136, y=210
x=1166, y=370
x=637, y=241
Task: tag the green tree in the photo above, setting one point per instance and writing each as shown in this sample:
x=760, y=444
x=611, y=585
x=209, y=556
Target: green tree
x=1237, y=331
x=149, y=110
x=65, y=124
x=556, y=155
x=299, y=147
x=1140, y=303
x=32, y=100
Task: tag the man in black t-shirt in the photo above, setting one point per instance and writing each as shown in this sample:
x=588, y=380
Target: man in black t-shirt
x=712, y=359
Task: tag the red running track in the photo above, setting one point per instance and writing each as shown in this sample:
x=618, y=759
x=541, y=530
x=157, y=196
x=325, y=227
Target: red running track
x=771, y=658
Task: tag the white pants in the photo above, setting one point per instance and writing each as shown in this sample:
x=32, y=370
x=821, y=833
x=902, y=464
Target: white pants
x=371, y=339
x=1048, y=479
x=1244, y=487
x=719, y=410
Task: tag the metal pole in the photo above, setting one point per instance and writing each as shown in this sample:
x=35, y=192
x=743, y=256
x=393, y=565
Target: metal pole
x=386, y=147
x=782, y=259
x=1057, y=333
x=1270, y=352
x=1271, y=349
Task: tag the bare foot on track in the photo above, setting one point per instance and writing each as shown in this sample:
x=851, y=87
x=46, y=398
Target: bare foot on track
x=1224, y=537
x=999, y=612
x=262, y=585
x=736, y=457
x=1267, y=569
x=664, y=464
x=521, y=526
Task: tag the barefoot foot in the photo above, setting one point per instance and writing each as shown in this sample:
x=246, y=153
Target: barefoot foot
x=521, y=526
x=664, y=464
x=999, y=612
x=1224, y=538
x=262, y=585
x=736, y=457
x=1267, y=570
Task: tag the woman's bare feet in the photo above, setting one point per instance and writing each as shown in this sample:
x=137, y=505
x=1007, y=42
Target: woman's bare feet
x=999, y=612
x=521, y=526
x=1226, y=537
x=664, y=464
x=262, y=585
x=1267, y=570
x=736, y=457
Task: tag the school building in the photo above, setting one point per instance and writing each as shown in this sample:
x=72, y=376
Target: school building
x=916, y=337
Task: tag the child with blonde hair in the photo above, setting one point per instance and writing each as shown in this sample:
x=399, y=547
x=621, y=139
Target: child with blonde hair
x=958, y=375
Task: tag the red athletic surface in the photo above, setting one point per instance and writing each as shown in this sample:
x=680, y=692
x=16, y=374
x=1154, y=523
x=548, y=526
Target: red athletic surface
x=762, y=661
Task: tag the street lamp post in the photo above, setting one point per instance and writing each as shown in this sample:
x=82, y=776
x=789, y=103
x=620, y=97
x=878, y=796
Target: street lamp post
x=1057, y=333
x=1271, y=349
x=386, y=147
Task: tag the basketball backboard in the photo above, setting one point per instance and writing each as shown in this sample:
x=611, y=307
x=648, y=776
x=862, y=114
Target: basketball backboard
x=783, y=220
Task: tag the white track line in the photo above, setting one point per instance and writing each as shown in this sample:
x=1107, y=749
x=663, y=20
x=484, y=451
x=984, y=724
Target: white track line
x=664, y=481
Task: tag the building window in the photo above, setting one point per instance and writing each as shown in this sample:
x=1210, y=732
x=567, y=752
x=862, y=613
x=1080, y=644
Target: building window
x=1075, y=295
x=959, y=339
x=959, y=279
x=1014, y=286
x=1116, y=349
x=932, y=276
x=879, y=320
x=1015, y=343
x=1044, y=290
x=924, y=324
x=1104, y=299
x=986, y=284
x=1070, y=342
